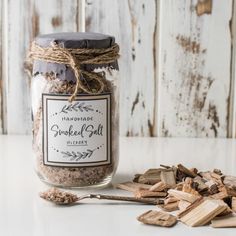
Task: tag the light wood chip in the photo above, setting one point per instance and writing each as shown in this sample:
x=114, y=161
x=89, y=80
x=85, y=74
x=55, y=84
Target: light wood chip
x=168, y=178
x=159, y=187
x=206, y=175
x=132, y=187
x=233, y=203
x=157, y=218
x=224, y=222
x=152, y=176
x=183, y=195
x=170, y=199
x=182, y=205
x=226, y=212
x=190, y=207
x=203, y=213
x=216, y=176
x=172, y=206
x=228, y=190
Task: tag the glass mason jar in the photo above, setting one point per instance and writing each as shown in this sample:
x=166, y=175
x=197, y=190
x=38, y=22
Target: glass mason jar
x=75, y=143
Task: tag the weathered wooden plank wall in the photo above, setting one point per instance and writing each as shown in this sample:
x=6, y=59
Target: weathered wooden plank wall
x=194, y=69
x=134, y=24
x=177, y=67
x=25, y=19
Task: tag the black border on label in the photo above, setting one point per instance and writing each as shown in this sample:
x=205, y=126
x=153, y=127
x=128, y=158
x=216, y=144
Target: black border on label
x=109, y=128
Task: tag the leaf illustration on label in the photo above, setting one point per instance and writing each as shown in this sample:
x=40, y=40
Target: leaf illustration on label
x=76, y=156
x=75, y=107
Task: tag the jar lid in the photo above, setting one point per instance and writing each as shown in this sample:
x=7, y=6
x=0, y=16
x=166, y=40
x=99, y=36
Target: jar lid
x=76, y=40
x=71, y=40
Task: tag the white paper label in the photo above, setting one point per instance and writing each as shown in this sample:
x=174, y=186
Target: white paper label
x=76, y=134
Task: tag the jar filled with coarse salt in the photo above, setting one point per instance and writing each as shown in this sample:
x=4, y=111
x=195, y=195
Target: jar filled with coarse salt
x=75, y=108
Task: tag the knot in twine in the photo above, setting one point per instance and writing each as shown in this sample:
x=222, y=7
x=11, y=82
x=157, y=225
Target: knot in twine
x=75, y=57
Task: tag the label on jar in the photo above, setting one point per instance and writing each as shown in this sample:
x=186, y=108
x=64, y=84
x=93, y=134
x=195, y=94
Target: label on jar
x=76, y=134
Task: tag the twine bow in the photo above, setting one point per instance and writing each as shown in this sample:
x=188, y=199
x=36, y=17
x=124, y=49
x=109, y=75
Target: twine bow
x=75, y=58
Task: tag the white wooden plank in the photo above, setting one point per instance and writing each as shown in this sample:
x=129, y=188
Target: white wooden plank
x=232, y=105
x=194, y=74
x=25, y=19
x=134, y=24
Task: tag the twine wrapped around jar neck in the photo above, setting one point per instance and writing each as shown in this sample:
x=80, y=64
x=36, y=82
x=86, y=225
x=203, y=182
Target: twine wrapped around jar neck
x=75, y=57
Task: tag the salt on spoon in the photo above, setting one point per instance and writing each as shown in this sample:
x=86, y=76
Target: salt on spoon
x=60, y=197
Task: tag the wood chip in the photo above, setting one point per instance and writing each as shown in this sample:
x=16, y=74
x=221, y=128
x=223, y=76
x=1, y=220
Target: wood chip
x=159, y=187
x=219, y=196
x=226, y=212
x=211, y=176
x=230, y=181
x=151, y=176
x=230, y=191
x=203, y=213
x=205, y=175
x=212, y=187
x=183, y=196
x=183, y=205
x=168, y=178
x=170, y=199
x=233, y=203
x=186, y=171
x=179, y=186
x=216, y=177
x=217, y=171
x=136, y=178
x=132, y=187
x=187, y=187
x=180, y=176
x=143, y=193
x=172, y=206
x=157, y=218
x=190, y=207
x=201, y=186
x=194, y=170
x=224, y=222
x=198, y=195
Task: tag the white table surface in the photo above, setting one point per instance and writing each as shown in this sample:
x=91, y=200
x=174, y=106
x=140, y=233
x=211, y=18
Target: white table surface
x=23, y=213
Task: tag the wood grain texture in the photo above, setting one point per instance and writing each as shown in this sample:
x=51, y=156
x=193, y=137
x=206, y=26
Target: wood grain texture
x=24, y=20
x=194, y=69
x=232, y=105
x=134, y=24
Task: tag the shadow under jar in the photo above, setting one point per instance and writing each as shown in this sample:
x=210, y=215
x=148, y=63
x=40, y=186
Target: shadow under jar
x=75, y=140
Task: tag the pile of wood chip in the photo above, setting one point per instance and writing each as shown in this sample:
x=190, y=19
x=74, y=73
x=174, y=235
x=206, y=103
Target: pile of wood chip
x=196, y=198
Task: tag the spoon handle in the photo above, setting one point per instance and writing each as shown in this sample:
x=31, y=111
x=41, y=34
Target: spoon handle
x=150, y=201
